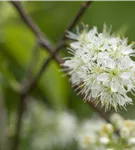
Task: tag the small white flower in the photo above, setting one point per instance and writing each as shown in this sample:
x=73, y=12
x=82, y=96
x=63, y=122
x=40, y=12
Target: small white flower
x=107, y=129
x=125, y=132
x=86, y=136
x=131, y=141
x=66, y=124
x=104, y=140
x=117, y=120
x=101, y=65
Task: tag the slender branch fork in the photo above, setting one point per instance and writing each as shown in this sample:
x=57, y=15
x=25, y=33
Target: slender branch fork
x=45, y=43
x=42, y=39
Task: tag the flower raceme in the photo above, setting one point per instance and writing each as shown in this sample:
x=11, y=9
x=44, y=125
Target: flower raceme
x=95, y=134
x=101, y=65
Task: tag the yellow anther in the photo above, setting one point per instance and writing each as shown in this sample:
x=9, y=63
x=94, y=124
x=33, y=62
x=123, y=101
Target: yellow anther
x=87, y=139
x=129, y=123
x=107, y=128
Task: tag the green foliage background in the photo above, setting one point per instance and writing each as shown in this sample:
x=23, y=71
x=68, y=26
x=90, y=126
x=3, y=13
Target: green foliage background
x=17, y=43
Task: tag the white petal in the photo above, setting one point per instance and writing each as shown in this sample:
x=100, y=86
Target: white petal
x=125, y=63
x=85, y=58
x=110, y=63
x=104, y=140
x=71, y=63
x=127, y=51
x=128, y=99
x=75, y=45
x=96, y=85
x=125, y=75
x=114, y=85
x=95, y=93
x=72, y=36
x=131, y=141
x=103, y=55
x=75, y=78
x=122, y=100
x=67, y=63
x=102, y=77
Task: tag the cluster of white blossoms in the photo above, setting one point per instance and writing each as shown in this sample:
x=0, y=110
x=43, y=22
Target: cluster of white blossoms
x=126, y=129
x=101, y=65
x=98, y=135
x=45, y=128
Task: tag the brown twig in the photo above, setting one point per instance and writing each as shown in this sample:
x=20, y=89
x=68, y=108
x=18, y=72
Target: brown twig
x=27, y=87
x=99, y=111
x=20, y=112
x=32, y=63
x=42, y=39
x=76, y=19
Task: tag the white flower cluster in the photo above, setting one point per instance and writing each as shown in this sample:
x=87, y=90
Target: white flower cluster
x=98, y=135
x=101, y=65
x=47, y=129
x=126, y=129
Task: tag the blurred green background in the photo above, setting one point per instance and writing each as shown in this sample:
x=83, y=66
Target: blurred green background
x=17, y=44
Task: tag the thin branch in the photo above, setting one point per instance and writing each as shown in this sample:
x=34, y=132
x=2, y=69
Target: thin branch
x=79, y=14
x=32, y=63
x=22, y=102
x=26, y=88
x=3, y=123
x=42, y=39
x=99, y=111
x=20, y=112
